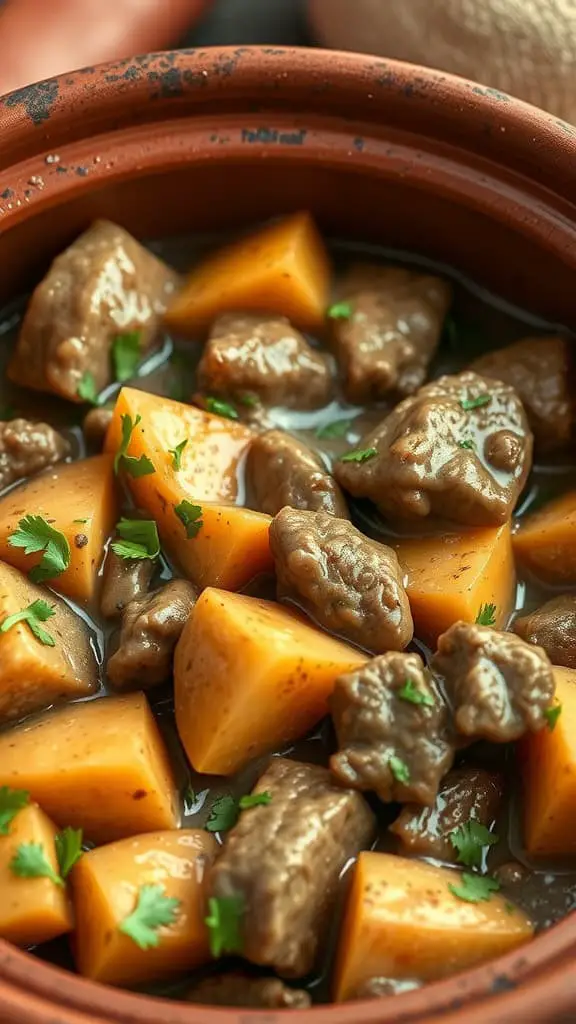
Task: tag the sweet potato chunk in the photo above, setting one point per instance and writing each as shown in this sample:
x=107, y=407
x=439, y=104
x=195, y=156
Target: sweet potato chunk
x=80, y=501
x=402, y=920
x=107, y=883
x=283, y=268
x=545, y=542
x=450, y=578
x=100, y=766
x=250, y=676
x=32, y=910
x=548, y=768
x=232, y=544
x=33, y=674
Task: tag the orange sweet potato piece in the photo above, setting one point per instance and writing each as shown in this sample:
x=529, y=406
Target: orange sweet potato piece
x=546, y=540
x=282, y=268
x=452, y=576
x=232, y=544
x=403, y=921
x=80, y=501
x=548, y=769
x=249, y=675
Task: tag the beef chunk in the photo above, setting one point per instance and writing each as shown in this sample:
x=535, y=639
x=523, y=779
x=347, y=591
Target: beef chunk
x=26, y=448
x=95, y=426
x=395, y=322
x=498, y=685
x=436, y=455
x=283, y=861
x=249, y=355
x=393, y=730
x=553, y=627
x=540, y=371
x=466, y=794
x=236, y=989
x=125, y=580
x=151, y=627
x=349, y=584
x=103, y=285
x=282, y=471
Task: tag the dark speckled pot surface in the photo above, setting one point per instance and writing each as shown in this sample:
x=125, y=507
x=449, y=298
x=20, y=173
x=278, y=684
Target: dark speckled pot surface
x=379, y=151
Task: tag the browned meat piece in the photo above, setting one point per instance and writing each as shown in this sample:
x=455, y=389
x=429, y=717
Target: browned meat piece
x=466, y=794
x=540, y=371
x=151, y=627
x=553, y=627
x=349, y=584
x=103, y=285
x=248, y=355
x=282, y=471
x=26, y=448
x=125, y=580
x=395, y=322
x=460, y=448
x=283, y=861
x=236, y=989
x=498, y=685
x=95, y=426
x=393, y=730
x=378, y=988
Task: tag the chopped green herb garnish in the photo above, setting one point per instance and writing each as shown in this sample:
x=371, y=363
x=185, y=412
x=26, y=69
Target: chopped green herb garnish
x=30, y=861
x=134, y=467
x=552, y=714
x=487, y=615
x=35, y=613
x=399, y=769
x=176, y=454
x=126, y=355
x=249, y=400
x=340, y=311
x=475, y=888
x=410, y=692
x=139, y=539
x=223, y=814
x=153, y=909
x=359, y=455
x=470, y=840
x=223, y=923
x=87, y=389
x=35, y=534
x=12, y=801
x=254, y=800
x=474, y=403
x=220, y=408
x=191, y=517
x=338, y=428
x=68, y=849
x=469, y=444
x=189, y=796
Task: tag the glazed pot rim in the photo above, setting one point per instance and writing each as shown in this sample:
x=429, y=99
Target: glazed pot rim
x=39, y=120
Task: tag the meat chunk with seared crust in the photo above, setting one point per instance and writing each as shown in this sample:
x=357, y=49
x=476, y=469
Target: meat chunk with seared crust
x=553, y=627
x=498, y=685
x=237, y=989
x=125, y=580
x=390, y=330
x=460, y=448
x=393, y=730
x=26, y=448
x=282, y=862
x=349, y=584
x=280, y=471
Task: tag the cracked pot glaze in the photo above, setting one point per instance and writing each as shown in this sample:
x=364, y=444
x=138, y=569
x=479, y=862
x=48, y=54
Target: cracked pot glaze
x=379, y=152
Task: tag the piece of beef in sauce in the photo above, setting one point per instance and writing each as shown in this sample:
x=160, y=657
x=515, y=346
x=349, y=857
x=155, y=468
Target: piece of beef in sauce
x=466, y=794
x=390, y=330
x=125, y=580
x=460, y=449
x=280, y=471
x=95, y=426
x=247, y=355
x=553, y=627
x=283, y=862
x=26, y=448
x=103, y=285
x=151, y=628
x=349, y=584
x=540, y=371
x=393, y=730
x=498, y=685
x=237, y=989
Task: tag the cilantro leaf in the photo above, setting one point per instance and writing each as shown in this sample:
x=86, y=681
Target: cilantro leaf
x=176, y=454
x=190, y=516
x=254, y=800
x=359, y=455
x=11, y=803
x=153, y=909
x=139, y=539
x=469, y=840
x=338, y=428
x=487, y=615
x=471, y=445
x=30, y=861
x=220, y=408
x=552, y=714
x=35, y=534
x=223, y=923
x=134, y=467
x=399, y=769
x=86, y=389
x=126, y=355
x=36, y=612
x=410, y=692
x=474, y=403
x=68, y=849
x=339, y=311
x=474, y=888
x=223, y=814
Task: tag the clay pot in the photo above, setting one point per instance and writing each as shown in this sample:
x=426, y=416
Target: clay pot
x=381, y=152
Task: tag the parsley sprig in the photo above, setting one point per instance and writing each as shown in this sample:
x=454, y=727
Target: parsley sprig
x=470, y=840
x=68, y=844
x=12, y=801
x=126, y=355
x=190, y=516
x=359, y=455
x=37, y=612
x=176, y=454
x=487, y=615
x=410, y=692
x=220, y=408
x=131, y=465
x=399, y=769
x=35, y=534
x=86, y=389
x=139, y=539
x=153, y=910
x=30, y=861
x=474, y=403
x=552, y=714
x=224, y=924
x=474, y=888
x=339, y=311
x=223, y=814
x=254, y=800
